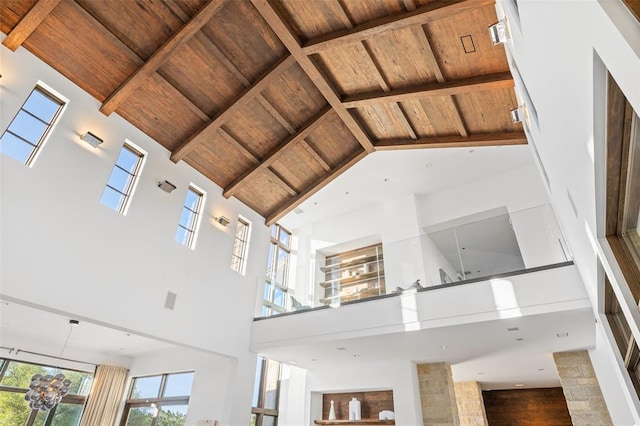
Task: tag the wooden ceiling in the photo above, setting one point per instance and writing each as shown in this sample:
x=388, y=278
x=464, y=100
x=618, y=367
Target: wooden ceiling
x=273, y=100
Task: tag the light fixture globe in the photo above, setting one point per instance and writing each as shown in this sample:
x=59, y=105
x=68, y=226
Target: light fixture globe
x=45, y=392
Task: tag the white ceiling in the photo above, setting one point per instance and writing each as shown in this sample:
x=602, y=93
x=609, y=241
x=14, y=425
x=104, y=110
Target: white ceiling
x=485, y=352
x=30, y=329
x=384, y=176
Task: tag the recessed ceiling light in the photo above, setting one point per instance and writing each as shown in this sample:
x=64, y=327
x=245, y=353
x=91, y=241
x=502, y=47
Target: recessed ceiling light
x=386, y=179
x=513, y=329
x=443, y=347
x=356, y=355
x=519, y=385
x=481, y=373
x=427, y=165
x=298, y=210
x=540, y=369
x=519, y=339
x=314, y=360
x=560, y=335
x=346, y=192
x=341, y=349
x=472, y=151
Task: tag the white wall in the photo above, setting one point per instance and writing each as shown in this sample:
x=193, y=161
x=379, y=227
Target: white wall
x=64, y=251
x=561, y=49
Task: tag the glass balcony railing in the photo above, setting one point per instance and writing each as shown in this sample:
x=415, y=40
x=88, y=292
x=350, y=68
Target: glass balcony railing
x=498, y=244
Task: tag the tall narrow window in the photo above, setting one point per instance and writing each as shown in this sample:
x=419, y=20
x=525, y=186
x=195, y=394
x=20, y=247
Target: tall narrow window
x=29, y=128
x=276, y=283
x=123, y=179
x=240, y=246
x=189, y=218
x=266, y=391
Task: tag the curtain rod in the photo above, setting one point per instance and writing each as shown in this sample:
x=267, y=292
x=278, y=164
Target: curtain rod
x=17, y=351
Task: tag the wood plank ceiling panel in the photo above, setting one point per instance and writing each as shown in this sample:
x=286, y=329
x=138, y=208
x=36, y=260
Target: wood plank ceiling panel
x=256, y=128
x=243, y=36
x=264, y=192
x=29, y=23
x=194, y=70
x=365, y=11
x=12, y=11
x=382, y=121
x=313, y=18
x=140, y=25
x=489, y=111
x=159, y=110
x=450, y=39
x=221, y=151
x=77, y=45
x=431, y=117
x=298, y=167
x=295, y=96
x=349, y=69
x=333, y=141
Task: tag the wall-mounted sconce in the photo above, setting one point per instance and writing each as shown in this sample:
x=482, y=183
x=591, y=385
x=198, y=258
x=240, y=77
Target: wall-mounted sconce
x=222, y=220
x=498, y=33
x=166, y=186
x=91, y=139
x=517, y=115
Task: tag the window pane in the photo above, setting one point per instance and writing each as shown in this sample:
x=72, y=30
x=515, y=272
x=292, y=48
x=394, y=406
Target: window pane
x=146, y=387
x=254, y=419
x=271, y=385
x=274, y=231
x=179, y=384
x=112, y=198
x=18, y=374
x=67, y=415
x=284, y=237
x=272, y=250
x=182, y=236
x=172, y=415
x=127, y=159
x=42, y=106
x=15, y=147
x=41, y=418
x=14, y=410
x=192, y=200
x=120, y=179
x=256, y=383
x=268, y=420
x=28, y=127
x=187, y=218
x=140, y=416
x=278, y=297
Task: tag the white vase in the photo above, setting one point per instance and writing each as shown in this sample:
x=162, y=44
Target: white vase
x=354, y=409
x=332, y=412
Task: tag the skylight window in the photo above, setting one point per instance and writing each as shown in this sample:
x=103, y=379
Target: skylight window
x=190, y=217
x=30, y=127
x=240, y=246
x=123, y=179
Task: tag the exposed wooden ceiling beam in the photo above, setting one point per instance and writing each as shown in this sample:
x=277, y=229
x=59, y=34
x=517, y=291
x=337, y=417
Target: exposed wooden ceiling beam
x=237, y=145
x=240, y=102
x=479, y=83
x=291, y=204
x=475, y=140
x=283, y=30
x=165, y=51
x=431, y=12
x=276, y=152
x=29, y=23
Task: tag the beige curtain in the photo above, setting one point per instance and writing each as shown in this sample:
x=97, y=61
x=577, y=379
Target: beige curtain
x=105, y=396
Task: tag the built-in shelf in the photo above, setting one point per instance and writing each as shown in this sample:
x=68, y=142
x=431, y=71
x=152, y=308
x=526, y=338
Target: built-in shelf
x=355, y=422
x=353, y=275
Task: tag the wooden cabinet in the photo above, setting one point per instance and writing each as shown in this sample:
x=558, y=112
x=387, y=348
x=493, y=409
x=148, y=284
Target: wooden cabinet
x=371, y=404
x=353, y=275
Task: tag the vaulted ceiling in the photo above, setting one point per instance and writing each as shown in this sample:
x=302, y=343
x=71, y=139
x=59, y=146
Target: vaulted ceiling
x=272, y=100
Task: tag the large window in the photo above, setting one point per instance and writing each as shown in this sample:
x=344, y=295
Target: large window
x=240, y=246
x=29, y=128
x=276, y=283
x=160, y=400
x=266, y=391
x=623, y=219
x=15, y=377
x=123, y=178
x=189, y=219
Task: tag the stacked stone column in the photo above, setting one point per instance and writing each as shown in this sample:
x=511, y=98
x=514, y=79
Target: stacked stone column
x=437, y=395
x=581, y=389
x=470, y=404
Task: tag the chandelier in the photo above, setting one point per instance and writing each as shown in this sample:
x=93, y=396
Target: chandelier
x=46, y=391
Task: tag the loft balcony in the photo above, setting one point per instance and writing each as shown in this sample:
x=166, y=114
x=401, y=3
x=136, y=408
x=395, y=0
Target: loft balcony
x=491, y=245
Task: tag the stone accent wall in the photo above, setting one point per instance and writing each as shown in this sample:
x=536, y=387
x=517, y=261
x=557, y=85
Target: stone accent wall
x=470, y=404
x=437, y=395
x=581, y=389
